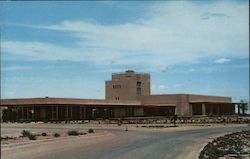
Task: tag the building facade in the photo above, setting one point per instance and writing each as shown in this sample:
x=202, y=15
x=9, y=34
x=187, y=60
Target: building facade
x=127, y=86
x=126, y=95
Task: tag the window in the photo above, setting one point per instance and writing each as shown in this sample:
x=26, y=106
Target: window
x=138, y=88
x=138, y=91
x=117, y=86
x=138, y=83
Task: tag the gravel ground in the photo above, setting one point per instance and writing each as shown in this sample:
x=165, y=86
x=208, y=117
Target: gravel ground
x=235, y=145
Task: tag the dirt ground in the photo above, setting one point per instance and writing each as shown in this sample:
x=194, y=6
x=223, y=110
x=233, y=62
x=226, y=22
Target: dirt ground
x=106, y=135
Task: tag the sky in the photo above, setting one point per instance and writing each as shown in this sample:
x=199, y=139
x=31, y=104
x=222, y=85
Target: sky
x=68, y=49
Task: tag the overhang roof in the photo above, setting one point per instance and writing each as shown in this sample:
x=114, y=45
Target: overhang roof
x=159, y=105
x=206, y=102
x=65, y=101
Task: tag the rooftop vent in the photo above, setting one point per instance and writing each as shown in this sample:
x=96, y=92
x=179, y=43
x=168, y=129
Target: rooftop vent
x=130, y=71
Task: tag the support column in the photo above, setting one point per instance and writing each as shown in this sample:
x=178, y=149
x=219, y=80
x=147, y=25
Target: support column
x=85, y=113
x=67, y=112
x=218, y=110
x=210, y=109
x=17, y=117
x=27, y=113
x=71, y=112
x=33, y=112
x=203, y=107
x=52, y=113
x=22, y=113
x=80, y=112
x=238, y=105
x=243, y=108
x=56, y=112
x=191, y=109
x=233, y=110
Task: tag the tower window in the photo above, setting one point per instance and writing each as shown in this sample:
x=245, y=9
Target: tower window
x=117, y=86
x=138, y=83
x=138, y=88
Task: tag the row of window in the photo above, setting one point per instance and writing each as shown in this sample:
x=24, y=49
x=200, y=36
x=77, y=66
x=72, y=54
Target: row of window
x=138, y=88
x=117, y=86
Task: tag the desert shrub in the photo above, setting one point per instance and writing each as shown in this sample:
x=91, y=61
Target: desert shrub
x=32, y=137
x=91, y=131
x=27, y=133
x=7, y=138
x=57, y=135
x=44, y=134
x=73, y=133
x=82, y=133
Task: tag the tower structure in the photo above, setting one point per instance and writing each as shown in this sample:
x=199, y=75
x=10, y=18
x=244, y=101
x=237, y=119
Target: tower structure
x=127, y=85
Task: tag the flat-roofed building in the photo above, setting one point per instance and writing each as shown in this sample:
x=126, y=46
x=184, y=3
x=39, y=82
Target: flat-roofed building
x=190, y=104
x=127, y=95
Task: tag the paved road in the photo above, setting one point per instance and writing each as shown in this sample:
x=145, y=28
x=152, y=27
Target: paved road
x=115, y=143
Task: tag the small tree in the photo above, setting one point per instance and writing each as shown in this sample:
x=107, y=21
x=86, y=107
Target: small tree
x=175, y=118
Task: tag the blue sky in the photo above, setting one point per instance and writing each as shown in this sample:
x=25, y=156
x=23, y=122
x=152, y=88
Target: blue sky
x=68, y=49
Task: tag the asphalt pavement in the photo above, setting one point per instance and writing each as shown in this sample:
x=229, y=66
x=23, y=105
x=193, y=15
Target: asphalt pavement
x=116, y=143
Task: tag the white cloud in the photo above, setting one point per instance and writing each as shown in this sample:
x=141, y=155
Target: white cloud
x=208, y=15
x=159, y=87
x=170, y=33
x=14, y=68
x=222, y=60
x=162, y=87
x=47, y=51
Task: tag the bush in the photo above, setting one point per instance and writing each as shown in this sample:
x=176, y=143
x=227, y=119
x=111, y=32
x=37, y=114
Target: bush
x=11, y=137
x=73, y=133
x=7, y=138
x=27, y=133
x=82, y=133
x=90, y=131
x=57, y=135
x=32, y=137
x=44, y=134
